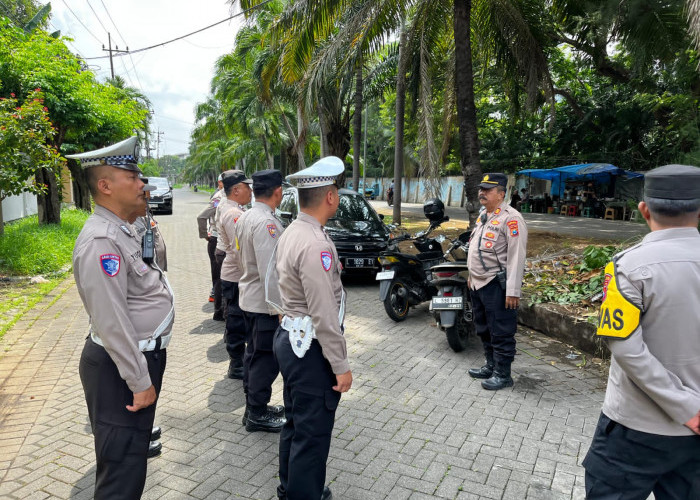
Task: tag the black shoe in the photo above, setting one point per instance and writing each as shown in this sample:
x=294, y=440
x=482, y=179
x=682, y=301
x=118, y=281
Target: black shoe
x=484, y=372
x=327, y=494
x=235, y=370
x=276, y=410
x=497, y=382
x=155, y=433
x=266, y=422
x=154, y=448
x=219, y=317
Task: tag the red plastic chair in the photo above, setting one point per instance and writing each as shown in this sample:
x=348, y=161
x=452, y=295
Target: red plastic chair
x=572, y=211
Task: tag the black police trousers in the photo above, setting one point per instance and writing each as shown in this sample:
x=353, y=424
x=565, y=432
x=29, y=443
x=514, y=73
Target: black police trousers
x=260, y=365
x=624, y=464
x=219, y=257
x=235, y=331
x=495, y=325
x=309, y=406
x=121, y=437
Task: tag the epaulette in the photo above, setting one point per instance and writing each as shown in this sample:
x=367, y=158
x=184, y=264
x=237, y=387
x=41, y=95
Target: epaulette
x=623, y=252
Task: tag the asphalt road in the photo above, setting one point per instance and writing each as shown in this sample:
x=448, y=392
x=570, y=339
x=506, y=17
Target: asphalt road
x=561, y=224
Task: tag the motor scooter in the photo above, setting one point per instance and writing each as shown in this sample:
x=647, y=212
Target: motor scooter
x=451, y=305
x=405, y=279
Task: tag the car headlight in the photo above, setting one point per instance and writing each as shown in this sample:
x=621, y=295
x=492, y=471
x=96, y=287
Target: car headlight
x=167, y=195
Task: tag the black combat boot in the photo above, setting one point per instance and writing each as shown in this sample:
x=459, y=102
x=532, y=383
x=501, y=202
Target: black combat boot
x=485, y=371
x=260, y=419
x=500, y=379
x=235, y=368
x=155, y=433
x=154, y=448
x=276, y=410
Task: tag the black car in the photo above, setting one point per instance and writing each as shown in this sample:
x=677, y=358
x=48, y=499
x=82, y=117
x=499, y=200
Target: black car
x=162, y=197
x=357, y=230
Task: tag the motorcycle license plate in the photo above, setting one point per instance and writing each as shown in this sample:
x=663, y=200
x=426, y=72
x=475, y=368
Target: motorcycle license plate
x=446, y=303
x=385, y=275
x=359, y=262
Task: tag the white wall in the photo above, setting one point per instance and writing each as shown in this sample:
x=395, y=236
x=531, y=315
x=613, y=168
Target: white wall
x=17, y=207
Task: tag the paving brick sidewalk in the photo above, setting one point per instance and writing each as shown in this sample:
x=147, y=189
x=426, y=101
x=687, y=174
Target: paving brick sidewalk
x=414, y=425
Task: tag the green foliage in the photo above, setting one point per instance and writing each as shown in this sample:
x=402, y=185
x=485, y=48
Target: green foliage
x=25, y=132
x=29, y=249
x=150, y=168
x=595, y=257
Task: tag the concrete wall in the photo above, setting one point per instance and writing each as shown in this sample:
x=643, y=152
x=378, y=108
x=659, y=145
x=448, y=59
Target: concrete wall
x=17, y=207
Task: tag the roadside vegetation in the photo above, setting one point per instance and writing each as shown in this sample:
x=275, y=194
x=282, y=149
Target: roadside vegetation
x=34, y=259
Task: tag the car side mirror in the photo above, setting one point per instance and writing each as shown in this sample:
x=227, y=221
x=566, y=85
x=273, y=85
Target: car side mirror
x=286, y=216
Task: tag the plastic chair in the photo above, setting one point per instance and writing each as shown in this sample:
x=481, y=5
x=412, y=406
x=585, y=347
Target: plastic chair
x=634, y=216
x=525, y=208
x=571, y=211
x=609, y=214
x=563, y=209
x=587, y=212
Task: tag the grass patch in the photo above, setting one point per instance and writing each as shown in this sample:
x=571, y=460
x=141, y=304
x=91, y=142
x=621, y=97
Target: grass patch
x=18, y=298
x=30, y=249
x=177, y=186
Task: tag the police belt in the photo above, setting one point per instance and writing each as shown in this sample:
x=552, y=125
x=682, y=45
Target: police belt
x=155, y=342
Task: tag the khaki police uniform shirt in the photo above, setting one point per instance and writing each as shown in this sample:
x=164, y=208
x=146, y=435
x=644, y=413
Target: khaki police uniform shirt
x=654, y=381
x=125, y=298
x=206, y=223
x=309, y=280
x=227, y=215
x=501, y=239
x=257, y=234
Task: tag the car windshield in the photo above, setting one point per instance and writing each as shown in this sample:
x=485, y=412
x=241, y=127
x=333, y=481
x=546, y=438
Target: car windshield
x=159, y=182
x=355, y=214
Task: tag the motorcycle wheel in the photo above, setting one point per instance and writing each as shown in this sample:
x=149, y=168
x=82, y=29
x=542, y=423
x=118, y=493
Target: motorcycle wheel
x=395, y=305
x=458, y=334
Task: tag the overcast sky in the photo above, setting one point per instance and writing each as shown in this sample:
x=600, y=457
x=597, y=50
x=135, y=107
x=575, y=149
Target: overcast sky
x=175, y=77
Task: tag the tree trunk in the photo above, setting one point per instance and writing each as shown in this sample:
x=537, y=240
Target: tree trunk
x=301, y=139
x=323, y=126
x=338, y=138
x=284, y=151
x=49, y=204
x=400, y=117
x=268, y=154
x=81, y=190
x=466, y=109
x=2, y=220
x=357, y=128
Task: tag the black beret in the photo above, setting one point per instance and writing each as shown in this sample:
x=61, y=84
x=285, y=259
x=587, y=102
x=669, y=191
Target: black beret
x=673, y=182
x=233, y=177
x=266, y=179
x=493, y=179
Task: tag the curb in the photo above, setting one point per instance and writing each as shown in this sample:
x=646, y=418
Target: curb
x=551, y=320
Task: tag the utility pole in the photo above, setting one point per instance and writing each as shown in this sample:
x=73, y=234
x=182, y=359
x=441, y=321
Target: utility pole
x=158, y=134
x=110, y=50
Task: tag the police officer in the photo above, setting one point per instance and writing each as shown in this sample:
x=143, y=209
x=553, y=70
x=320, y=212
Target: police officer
x=238, y=194
x=206, y=225
x=309, y=344
x=496, y=263
x=130, y=305
x=257, y=233
x=647, y=435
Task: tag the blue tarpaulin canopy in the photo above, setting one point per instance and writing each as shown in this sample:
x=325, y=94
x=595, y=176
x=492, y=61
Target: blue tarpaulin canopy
x=594, y=171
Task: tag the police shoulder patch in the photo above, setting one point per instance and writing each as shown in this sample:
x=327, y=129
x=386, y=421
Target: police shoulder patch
x=619, y=317
x=272, y=229
x=111, y=264
x=326, y=260
x=513, y=227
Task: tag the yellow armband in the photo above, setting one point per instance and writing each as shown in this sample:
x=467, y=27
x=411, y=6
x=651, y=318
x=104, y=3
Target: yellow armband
x=619, y=317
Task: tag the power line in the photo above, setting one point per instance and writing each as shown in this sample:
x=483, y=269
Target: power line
x=190, y=34
x=83, y=25
x=126, y=44
x=98, y=17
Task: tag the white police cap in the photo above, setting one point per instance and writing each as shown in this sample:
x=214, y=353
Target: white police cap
x=325, y=172
x=124, y=154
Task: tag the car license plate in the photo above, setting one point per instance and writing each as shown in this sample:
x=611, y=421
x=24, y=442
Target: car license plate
x=153, y=205
x=385, y=275
x=446, y=303
x=359, y=262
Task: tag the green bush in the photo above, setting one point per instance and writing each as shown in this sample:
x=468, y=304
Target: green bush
x=27, y=248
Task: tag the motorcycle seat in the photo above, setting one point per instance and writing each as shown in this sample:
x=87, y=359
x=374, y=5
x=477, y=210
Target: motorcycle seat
x=429, y=255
